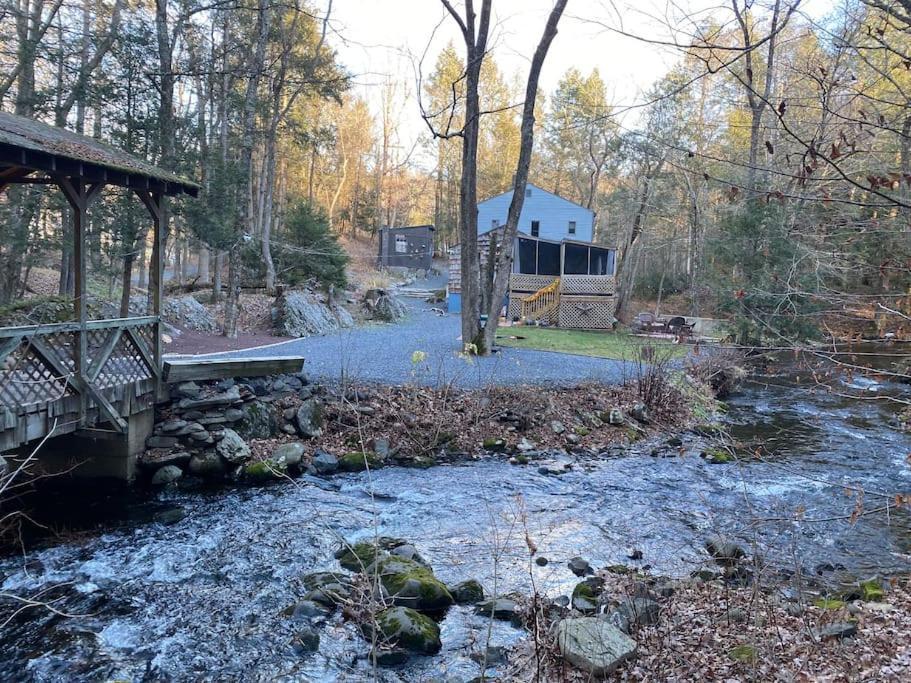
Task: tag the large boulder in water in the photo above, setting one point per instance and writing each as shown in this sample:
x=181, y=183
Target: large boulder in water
x=594, y=645
x=302, y=314
x=409, y=630
x=410, y=584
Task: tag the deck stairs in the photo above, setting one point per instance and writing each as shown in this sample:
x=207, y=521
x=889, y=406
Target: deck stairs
x=543, y=305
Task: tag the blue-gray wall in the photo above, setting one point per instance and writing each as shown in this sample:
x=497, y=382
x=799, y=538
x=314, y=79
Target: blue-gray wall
x=552, y=212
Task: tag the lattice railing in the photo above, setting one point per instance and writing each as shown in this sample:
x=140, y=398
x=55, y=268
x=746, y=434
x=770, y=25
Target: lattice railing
x=587, y=285
x=38, y=364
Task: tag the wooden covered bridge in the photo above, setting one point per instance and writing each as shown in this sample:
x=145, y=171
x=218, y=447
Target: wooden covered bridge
x=93, y=379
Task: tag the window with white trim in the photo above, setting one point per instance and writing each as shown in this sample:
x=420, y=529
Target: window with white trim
x=572, y=227
x=401, y=244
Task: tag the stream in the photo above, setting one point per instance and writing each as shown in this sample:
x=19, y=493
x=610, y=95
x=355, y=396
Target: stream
x=188, y=585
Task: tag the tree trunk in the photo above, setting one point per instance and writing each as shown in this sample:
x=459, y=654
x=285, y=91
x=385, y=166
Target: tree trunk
x=505, y=258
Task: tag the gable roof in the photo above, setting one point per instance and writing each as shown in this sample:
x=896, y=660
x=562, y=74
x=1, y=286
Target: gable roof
x=539, y=189
x=32, y=145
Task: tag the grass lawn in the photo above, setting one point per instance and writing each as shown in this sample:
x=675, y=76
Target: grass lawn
x=602, y=344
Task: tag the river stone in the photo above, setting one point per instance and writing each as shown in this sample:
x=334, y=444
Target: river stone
x=467, y=592
x=310, y=418
x=640, y=611
x=409, y=629
x=594, y=645
x=307, y=609
x=225, y=398
x=161, y=442
x=385, y=657
x=580, y=567
x=499, y=608
x=206, y=464
x=306, y=640
x=324, y=463
x=726, y=553
x=557, y=427
x=838, y=630
x=185, y=390
x=409, y=552
x=639, y=412
x=265, y=470
x=291, y=453
x=410, y=584
x=584, y=598
x=233, y=448
x=166, y=475
x=358, y=461
x=259, y=421
x=358, y=556
x=172, y=425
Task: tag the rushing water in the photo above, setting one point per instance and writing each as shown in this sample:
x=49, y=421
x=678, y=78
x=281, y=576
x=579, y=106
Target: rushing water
x=192, y=585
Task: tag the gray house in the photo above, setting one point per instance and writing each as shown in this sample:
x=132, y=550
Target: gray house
x=406, y=247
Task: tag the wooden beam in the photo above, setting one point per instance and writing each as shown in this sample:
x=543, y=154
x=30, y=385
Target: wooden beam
x=154, y=202
x=101, y=357
x=185, y=369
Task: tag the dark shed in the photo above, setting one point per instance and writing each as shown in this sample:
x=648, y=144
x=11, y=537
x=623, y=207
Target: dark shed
x=406, y=247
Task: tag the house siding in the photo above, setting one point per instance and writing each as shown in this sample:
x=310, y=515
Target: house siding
x=552, y=212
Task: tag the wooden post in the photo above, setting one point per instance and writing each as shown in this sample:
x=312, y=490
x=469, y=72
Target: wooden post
x=80, y=195
x=154, y=202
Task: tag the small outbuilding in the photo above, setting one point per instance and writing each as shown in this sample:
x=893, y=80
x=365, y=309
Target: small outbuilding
x=406, y=247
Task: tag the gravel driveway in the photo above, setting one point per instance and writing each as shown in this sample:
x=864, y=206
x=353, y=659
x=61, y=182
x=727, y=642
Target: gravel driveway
x=383, y=353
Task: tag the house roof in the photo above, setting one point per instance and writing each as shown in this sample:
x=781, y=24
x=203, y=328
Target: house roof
x=428, y=226
x=27, y=145
x=539, y=189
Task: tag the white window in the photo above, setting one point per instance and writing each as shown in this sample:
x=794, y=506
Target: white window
x=528, y=192
x=401, y=244
x=494, y=223
x=572, y=227
x=535, y=228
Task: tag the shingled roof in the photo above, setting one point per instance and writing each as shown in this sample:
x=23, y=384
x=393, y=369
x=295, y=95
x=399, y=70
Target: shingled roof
x=35, y=146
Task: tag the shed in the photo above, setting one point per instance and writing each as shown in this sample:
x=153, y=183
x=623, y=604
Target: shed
x=406, y=247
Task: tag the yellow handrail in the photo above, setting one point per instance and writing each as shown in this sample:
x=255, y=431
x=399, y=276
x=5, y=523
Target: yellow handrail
x=543, y=304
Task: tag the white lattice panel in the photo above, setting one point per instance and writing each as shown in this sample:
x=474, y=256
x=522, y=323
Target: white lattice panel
x=587, y=312
x=587, y=284
x=519, y=282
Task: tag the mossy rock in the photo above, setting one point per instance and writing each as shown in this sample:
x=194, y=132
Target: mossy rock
x=620, y=569
x=409, y=629
x=584, y=598
x=872, y=591
x=519, y=460
x=494, y=444
x=411, y=584
x=633, y=434
x=829, y=603
x=358, y=461
x=444, y=438
x=467, y=592
x=263, y=471
x=358, y=556
x=717, y=456
x=582, y=431
x=421, y=462
x=743, y=653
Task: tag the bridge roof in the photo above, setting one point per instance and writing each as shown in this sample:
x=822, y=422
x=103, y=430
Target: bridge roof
x=27, y=146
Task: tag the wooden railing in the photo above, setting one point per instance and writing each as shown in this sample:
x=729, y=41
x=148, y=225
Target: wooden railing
x=543, y=305
x=41, y=364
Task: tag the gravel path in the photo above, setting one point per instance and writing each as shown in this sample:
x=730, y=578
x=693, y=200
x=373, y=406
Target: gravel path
x=383, y=353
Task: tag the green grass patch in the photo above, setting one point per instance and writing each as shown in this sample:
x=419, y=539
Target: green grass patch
x=601, y=344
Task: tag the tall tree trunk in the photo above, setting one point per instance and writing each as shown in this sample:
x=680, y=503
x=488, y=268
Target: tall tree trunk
x=505, y=258
x=244, y=217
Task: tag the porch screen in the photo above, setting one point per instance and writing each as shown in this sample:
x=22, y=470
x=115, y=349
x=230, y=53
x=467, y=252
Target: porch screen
x=602, y=261
x=575, y=259
x=548, y=258
x=527, y=256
